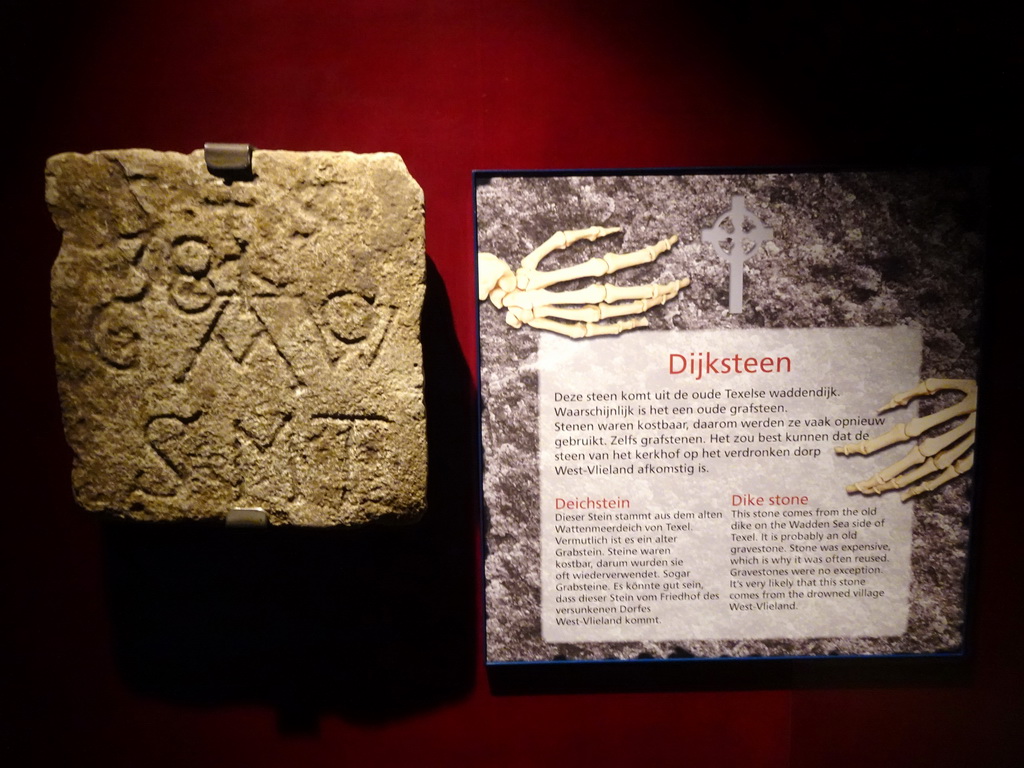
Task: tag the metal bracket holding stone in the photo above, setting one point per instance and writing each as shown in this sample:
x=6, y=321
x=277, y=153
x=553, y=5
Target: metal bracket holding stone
x=232, y=162
x=246, y=517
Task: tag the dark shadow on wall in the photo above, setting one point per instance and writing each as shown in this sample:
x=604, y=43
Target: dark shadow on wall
x=371, y=625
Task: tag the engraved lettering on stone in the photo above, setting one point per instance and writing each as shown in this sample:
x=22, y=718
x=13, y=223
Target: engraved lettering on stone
x=165, y=436
x=350, y=316
x=357, y=446
x=116, y=334
x=353, y=321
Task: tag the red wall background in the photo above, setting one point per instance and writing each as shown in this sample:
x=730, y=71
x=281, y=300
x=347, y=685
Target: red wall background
x=109, y=661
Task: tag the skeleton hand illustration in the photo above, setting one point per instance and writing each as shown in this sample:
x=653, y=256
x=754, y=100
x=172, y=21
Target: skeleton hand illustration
x=939, y=459
x=523, y=292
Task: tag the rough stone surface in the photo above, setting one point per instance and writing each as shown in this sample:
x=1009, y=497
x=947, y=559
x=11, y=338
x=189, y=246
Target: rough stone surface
x=246, y=344
x=849, y=250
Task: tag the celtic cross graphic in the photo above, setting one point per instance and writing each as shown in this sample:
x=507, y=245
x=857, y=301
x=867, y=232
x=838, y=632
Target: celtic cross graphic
x=736, y=236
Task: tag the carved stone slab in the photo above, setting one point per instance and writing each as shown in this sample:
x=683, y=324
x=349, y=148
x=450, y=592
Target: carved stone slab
x=223, y=346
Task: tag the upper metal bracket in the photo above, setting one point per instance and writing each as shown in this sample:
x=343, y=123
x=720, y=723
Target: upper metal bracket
x=232, y=162
x=246, y=517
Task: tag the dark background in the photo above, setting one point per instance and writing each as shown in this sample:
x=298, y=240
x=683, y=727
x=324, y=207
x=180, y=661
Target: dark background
x=204, y=647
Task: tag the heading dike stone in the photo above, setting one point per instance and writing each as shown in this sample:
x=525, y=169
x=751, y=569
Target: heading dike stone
x=224, y=345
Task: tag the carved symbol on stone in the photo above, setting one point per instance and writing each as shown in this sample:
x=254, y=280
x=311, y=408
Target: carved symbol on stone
x=191, y=255
x=167, y=435
x=237, y=328
x=115, y=334
x=263, y=428
x=191, y=290
x=352, y=323
x=355, y=448
x=378, y=332
x=190, y=294
x=736, y=236
x=349, y=316
x=115, y=325
x=206, y=279
x=129, y=282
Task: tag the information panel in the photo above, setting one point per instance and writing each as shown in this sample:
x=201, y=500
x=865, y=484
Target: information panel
x=708, y=505
x=727, y=414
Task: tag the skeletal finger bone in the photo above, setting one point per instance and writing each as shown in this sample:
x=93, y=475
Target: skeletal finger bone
x=923, y=460
x=528, y=278
x=595, y=294
x=932, y=462
x=562, y=240
x=494, y=278
x=584, y=330
x=931, y=386
x=591, y=314
x=524, y=293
